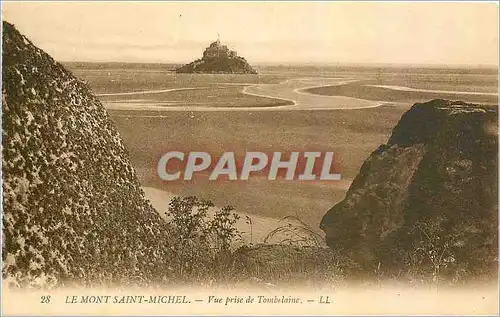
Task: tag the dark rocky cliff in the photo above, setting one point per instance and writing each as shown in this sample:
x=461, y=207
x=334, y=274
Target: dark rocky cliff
x=73, y=207
x=427, y=198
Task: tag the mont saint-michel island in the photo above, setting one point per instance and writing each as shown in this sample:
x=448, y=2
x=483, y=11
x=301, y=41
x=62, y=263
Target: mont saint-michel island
x=218, y=59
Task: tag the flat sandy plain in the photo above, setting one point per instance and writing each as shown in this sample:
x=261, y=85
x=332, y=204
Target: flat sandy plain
x=284, y=108
x=367, y=300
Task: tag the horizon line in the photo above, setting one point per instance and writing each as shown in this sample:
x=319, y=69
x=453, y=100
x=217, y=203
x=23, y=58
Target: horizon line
x=330, y=64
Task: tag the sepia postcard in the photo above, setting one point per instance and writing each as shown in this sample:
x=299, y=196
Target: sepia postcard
x=249, y=158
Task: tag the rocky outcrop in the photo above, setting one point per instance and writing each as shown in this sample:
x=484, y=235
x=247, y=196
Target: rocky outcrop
x=218, y=59
x=427, y=198
x=73, y=207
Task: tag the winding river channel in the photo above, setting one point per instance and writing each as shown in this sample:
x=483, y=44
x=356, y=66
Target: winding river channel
x=292, y=90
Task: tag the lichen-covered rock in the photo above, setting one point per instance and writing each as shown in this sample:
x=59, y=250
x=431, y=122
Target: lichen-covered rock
x=427, y=198
x=73, y=207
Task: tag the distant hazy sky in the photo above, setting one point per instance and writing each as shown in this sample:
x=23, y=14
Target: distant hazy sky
x=275, y=32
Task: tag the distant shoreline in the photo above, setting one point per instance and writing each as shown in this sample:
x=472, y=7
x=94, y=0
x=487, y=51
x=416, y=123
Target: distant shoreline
x=170, y=67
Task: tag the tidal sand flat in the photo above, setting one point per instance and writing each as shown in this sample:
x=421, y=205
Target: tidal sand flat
x=212, y=120
x=150, y=134
x=283, y=170
x=295, y=91
x=479, y=86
